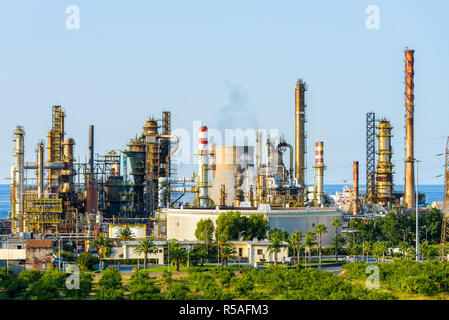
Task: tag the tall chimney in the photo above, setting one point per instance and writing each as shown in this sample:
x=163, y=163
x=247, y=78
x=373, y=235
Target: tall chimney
x=91, y=150
x=355, y=188
x=203, y=155
x=319, y=169
x=409, y=129
x=300, y=135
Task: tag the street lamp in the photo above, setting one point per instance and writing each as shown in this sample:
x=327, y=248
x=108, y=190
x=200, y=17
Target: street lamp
x=417, y=210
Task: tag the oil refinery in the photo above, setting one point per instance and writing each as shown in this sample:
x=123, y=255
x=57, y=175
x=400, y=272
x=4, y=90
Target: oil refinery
x=55, y=195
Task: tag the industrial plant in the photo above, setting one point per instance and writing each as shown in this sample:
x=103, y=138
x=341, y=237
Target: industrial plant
x=58, y=196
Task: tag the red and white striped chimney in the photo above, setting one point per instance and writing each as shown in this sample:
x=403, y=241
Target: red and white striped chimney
x=203, y=155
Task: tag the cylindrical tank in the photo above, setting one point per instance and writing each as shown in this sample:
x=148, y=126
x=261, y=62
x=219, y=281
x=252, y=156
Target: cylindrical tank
x=384, y=170
x=228, y=159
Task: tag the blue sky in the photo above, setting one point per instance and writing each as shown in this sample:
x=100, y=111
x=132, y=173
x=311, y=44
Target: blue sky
x=131, y=59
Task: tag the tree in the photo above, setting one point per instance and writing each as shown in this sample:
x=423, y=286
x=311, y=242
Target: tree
x=256, y=227
x=101, y=244
x=145, y=246
x=201, y=255
x=48, y=287
x=227, y=251
x=320, y=229
x=379, y=248
x=367, y=246
x=87, y=261
x=85, y=287
x=425, y=249
x=336, y=223
x=204, y=230
x=275, y=247
x=177, y=253
x=295, y=240
x=125, y=234
x=309, y=242
x=229, y=225
x=110, y=285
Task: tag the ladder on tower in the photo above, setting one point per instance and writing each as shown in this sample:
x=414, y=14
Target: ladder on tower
x=445, y=227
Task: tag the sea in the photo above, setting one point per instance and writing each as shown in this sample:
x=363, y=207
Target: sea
x=433, y=193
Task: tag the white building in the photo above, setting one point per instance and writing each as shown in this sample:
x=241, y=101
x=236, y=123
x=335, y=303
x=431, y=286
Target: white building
x=181, y=223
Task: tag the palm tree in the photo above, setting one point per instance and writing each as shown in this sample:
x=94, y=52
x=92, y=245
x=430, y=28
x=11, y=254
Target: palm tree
x=177, y=253
x=425, y=249
x=101, y=244
x=227, y=252
x=367, y=247
x=125, y=234
x=320, y=229
x=275, y=246
x=336, y=223
x=295, y=240
x=201, y=254
x=145, y=246
x=309, y=242
x=377, y=250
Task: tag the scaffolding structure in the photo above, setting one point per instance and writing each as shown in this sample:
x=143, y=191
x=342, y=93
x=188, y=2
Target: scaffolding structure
x=370, y=156
x=444, y=227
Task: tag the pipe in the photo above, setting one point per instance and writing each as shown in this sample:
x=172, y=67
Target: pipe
x=355, y=188
x=409, y=129
x=47, y=165
x=171, y=136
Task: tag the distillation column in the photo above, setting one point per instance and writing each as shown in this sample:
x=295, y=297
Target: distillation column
x=319, y=169
x=300, y=136
x=355, y=188
x=40, y=170
x=409, y=130
x=203, y=155
x=384, y=172
x=19, y=168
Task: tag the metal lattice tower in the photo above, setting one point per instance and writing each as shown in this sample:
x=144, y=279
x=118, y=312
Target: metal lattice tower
x=370, y=154
x=445, y=228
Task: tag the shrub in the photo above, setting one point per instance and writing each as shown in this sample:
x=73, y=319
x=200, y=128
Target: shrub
x=48, y=287
x=141, y=287
x=178, y=291
x=85, y=287
x=87, y=261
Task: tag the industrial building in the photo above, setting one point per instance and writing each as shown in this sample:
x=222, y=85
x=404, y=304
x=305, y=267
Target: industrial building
x=138, y=187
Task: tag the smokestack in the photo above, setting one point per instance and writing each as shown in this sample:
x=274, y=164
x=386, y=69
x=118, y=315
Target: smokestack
x=300, y=134
x=91, y=150
x=319, y=169
x=355, y=188
x=203, y=186
x=409, y=129
x=19, y=151
x=40, y=169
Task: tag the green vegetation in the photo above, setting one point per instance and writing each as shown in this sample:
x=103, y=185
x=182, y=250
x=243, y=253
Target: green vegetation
x=406, y=277
x=145, y=247
x=110, y=285
x=232, y=226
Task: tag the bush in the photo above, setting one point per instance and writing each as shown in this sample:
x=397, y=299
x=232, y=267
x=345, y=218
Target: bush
x=141, y=287
x=48, y=287
x=87, y=261
x=178, y=291
x=418, y=284
x=85, y=287
x=110, y=285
